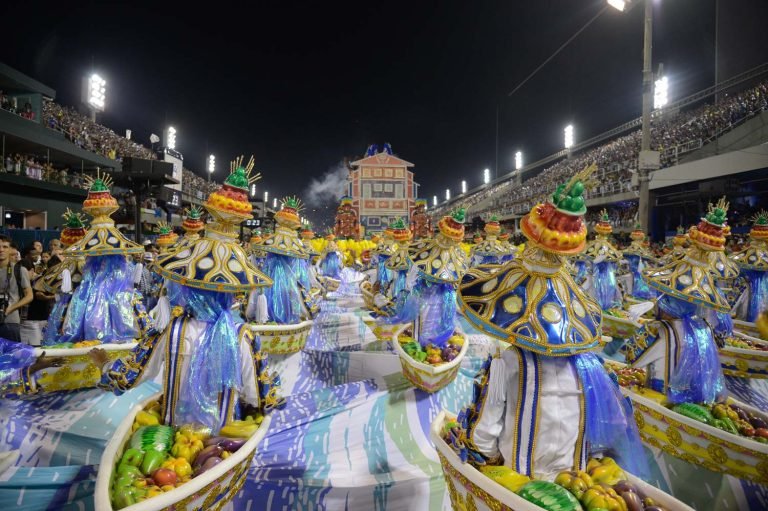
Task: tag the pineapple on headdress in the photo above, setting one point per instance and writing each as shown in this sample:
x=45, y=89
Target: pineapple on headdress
x=230, y=203
x=100, y=201
x=165, y=235
x=286, y=240
x=709, y=234
x=193, y=220
x=74, y=228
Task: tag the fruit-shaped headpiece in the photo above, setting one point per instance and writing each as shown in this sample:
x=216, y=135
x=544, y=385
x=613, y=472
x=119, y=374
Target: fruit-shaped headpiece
x=402, y=235
x=166, y=238
x=558, y=224
x=103, y=238
x=286, y=239
x=215, y=261
x=709, y=234
x=755, y=257
x=603, y=227
x=74, y=228
x=492, y=226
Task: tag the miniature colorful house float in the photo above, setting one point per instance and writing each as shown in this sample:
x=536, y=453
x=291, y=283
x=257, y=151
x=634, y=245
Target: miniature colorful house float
x=191, y=444
x=288, y=305
x=546, y=405
x=421, y=223
x=676, y=382
x=431, y=356
x=104, y=309
x=489, y=251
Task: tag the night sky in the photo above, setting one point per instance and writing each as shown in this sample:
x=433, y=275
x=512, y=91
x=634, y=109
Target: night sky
x=301, y=85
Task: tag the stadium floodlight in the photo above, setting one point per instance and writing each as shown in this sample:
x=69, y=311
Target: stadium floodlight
x=211, y=163
x=568, y=131
x=618, y=4
x=518, y=160
x=463, y=186
x=487, y=176
x=274, y=202
x=434, y=200
x=266, y=196
x=447, y=194
x=253, y=189
x=170, y=140
x=661, y=93
x=97, y=89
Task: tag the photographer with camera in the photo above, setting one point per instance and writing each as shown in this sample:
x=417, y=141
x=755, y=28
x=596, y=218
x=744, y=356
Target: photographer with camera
x=15, y=292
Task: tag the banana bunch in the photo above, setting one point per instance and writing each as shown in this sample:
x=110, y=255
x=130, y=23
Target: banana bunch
x=575, y=481
x=505, y=476
x=241, y=429
x=605, y=471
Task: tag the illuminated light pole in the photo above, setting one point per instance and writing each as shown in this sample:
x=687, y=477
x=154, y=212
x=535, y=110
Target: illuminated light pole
x=463, y=187
x=266, y=196
x=274, y=203
x=518, y=160
x=434, y=201
x=253, y=190
x=487, y=176
x=211, y=166
x=170, y=138
x=447, y=194
x=568, y=136
x=660, y=93
x=95, y=94
x=648, y=160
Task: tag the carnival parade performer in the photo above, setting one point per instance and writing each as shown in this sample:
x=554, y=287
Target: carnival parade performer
x=399, y=263
x=491, y=250
x=546, y=403
x=753, y=262
x=639, y=257
x=604, y=258
x=679, y=350
x=330, y=262
x=207, y=355
x=105, y=306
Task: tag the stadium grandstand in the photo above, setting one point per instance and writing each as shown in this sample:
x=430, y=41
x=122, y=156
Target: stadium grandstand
x=703, y=146
x=47, y=151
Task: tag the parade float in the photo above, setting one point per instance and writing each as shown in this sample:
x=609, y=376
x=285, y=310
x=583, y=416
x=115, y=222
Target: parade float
x=431, y=353
x=190, y=445
x=490, y=250
x=421, y=223
x=104, y=310
x=676, y=381
x=289, y=307
x=518, y=446
x=346, y=224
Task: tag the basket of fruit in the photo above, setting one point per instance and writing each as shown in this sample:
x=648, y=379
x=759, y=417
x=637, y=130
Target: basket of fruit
x=604, y=485
x=744, y=356
x=730, y=438
x=77, y=370
x=431, y=368
x=283, y=339
x=147, y=466
x=619, y=324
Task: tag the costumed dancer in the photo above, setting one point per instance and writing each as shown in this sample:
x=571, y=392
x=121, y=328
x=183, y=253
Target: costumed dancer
x=679, y=350
x=679, y=244
x=105, y=306
x=383, y=251
x=639, y=257
x=399, y=263
x=192, y=224
x=307, y=270
x=727, y=275
x=509, y=249
x=601, y=282
x=62, y=278
x=490, y=251
x=209, y=358
x=255, y=253
x=330, y=262
x=546, y=403
x=753, y=262
x=286, y=300
x=437, y=265
x=421, y=224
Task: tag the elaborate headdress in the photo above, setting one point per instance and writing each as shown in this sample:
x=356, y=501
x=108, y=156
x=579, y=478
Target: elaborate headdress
x=441, y=259
x=286, y=240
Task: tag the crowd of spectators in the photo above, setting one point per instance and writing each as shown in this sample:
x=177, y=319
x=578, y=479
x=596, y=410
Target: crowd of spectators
x=671, y=134
x=11, y=104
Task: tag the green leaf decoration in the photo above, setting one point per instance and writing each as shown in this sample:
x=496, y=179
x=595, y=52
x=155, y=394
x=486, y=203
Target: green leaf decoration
x=238, y=178
x=459, y=215
x=98, y=185
x=72, y=220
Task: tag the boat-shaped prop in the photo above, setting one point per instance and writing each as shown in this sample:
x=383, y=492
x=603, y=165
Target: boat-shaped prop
x=283, y=339
x=744, y=356
x=468, y=488
x=208, y=491
x=697, y=442
x=426, y=376
x=77, y=370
